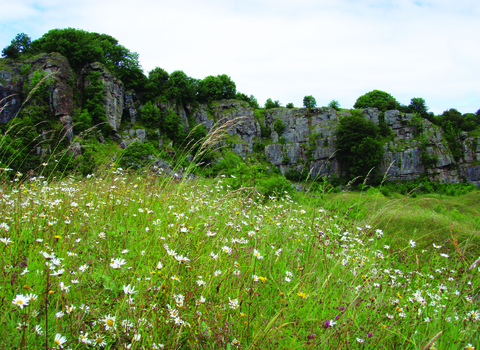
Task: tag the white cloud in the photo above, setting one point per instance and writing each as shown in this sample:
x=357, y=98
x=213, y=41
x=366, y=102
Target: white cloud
x=288, y=49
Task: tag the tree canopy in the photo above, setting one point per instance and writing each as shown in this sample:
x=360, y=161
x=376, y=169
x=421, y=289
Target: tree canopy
x=271, y=104
x=357, y=145
x=214, y=88
x=378, y=99
x=20, y=44
x=309, y=102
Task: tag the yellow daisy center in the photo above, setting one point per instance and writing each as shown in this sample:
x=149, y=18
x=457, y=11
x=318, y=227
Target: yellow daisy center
x=109, y=322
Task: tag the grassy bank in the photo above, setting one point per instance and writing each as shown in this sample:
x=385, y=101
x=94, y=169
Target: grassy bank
x=137, y=261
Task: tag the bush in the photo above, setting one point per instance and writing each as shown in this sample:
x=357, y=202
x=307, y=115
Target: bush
x=334, y=104
x=271, y=104
x=279, y=127
x=378, y=99
x=137, y=155
x=265, y=131
x=290, y=105
x=274, y=186
x=309, y=102
x=358, y=148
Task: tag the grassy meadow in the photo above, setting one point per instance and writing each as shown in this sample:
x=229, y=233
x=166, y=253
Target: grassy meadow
x=137, y=261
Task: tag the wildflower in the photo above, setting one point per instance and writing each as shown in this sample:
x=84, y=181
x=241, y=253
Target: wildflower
x=100, y=341
x=70, y=309
x=302, y=295
x=251, y=233
x=444, y=255
x=475, y=315
x=109, y=322
x=159, y=265
x=235, y=342
x=64, y=288
x=83, y=268
x=227, y=250
x=360, y=340
x=38, y=330
x=470, y=347
x=214, y=256
x=412, y=243
x=117, y=263
x=21, y=301
x=59, y=314
x=255, y=278
x=201, y=283
x=59, y=340
x=129, y=290
x=175, y=278
x=6, y=241
x=233, y=303
x=217, y=273
x=257, y=254
x=236, y=272
x=330, y=323
x=84, y=339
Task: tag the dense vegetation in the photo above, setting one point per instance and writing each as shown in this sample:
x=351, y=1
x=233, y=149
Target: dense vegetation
x=359, y=142
x=98, y=254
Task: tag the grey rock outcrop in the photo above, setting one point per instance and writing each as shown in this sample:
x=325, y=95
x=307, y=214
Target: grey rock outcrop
x=113, y=92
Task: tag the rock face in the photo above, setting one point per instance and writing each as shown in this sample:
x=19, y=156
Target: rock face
x=113, y=92
x=15, y=80
x=301, y=140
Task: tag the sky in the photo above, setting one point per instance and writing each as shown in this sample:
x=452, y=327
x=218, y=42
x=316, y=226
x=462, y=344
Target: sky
x=287, y=49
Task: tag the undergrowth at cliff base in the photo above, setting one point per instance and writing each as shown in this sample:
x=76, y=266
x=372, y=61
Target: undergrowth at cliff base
x=128, y=261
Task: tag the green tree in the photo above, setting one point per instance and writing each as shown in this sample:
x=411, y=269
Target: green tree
x=94, y=101
x=358, y=148
x=251, y=100
x=82, y=120
x=334, y=104
x=309, y=102
x=271, y=104
x=214, y=88
x=20, y=44
x=150, y=115
x=181, y=88
x=172, y=126
x=157, y=82
x=290, y=105
x=377, y=99
x=417, y=105
x=81, y=48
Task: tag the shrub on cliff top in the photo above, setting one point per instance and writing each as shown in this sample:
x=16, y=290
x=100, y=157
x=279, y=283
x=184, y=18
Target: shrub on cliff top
x=378, y=99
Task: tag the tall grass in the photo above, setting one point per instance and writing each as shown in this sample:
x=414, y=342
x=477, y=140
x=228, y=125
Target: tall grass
x=135, y=261
x=130, y=260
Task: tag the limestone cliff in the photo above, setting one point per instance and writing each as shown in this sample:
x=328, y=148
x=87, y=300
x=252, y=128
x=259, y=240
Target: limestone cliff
x=304, y=142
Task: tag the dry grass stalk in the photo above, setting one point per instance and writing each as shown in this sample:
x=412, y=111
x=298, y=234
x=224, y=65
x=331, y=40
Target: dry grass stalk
x=217, y=133
x=427, y=347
